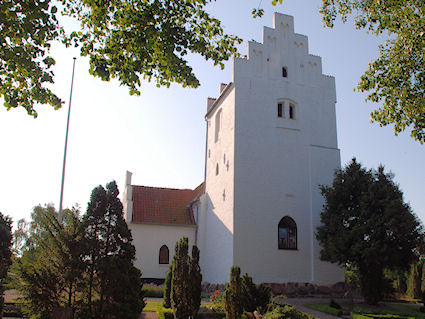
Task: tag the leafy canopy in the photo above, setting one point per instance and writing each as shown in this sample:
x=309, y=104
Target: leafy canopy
x=367, y=225
x=397, y=77
x=130, y=40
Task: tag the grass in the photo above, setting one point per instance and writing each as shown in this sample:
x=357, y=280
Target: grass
x=322, y=307
x=155, y=306
x=393, y=308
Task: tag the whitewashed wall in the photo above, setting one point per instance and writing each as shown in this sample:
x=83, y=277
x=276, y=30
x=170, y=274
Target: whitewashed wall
x=148, y=239
x=218, y=200
x=278, y=161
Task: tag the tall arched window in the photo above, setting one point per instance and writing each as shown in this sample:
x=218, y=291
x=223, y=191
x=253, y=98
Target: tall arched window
x=287, y=233
x=164, y=255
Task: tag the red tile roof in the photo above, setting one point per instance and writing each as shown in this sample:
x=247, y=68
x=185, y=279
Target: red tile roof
x=154, y=205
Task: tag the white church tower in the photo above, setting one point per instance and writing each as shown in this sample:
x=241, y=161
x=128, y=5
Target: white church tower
x=271, y=141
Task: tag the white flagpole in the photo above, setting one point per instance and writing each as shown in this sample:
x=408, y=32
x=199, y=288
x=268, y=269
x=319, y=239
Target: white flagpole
x=66, y=143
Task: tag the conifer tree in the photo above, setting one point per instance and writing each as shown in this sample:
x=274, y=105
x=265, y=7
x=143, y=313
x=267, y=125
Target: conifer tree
x=84, y=264
x=254, y=296
x=167, y=288
x=5, y=254
x=114, y=284
x=367, y=225
x=186, y=281
x=195, y=282
x=249, y=291
x=415, y=281
x=180, y=281
x=232, y=295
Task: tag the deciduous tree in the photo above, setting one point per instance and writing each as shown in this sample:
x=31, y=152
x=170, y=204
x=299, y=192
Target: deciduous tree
x=85, y=264
x=127, y=40
x=367, y=225
x=397, y=77
x=51, y=268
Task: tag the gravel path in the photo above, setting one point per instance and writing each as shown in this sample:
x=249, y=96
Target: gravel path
x=148, y=315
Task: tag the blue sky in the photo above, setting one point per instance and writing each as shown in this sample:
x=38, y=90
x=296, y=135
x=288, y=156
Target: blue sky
x=160, y=135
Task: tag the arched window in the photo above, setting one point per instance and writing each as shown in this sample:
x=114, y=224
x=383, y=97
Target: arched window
x=164, y=255
x=287, y=233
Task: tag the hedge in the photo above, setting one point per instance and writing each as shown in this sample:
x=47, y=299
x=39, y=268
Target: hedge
x=377, y=316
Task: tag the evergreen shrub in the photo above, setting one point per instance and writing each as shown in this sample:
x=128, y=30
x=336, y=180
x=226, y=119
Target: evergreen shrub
x=153, y=291
x=254, y=296
x=334, y=304
x=286, y=312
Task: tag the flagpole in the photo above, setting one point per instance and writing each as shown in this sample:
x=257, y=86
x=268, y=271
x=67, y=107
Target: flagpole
x=66, y=143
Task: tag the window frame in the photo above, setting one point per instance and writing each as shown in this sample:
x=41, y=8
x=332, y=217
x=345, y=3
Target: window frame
x=161, y=258
x=287, y=234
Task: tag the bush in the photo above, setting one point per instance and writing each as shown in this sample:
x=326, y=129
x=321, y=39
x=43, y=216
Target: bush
x=12, y=313
x=210, y=315
x=254, y=296
x=376, y=316
x=153, y=291
x=334, y=304
x=286, y=312
x=217, y=302
x=12, y=309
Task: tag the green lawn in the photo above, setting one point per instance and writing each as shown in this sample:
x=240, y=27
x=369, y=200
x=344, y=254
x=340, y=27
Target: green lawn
x=322, y=307
x=382, y=308
x=157, y=306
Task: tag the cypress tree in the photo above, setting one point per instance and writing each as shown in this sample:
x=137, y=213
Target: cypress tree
x=5, y=254
x=195, y=277
x=167, y=288
x=415, y=281
x=180, y=281
x=233, y=305
x=249, y=292
x=186, y=278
